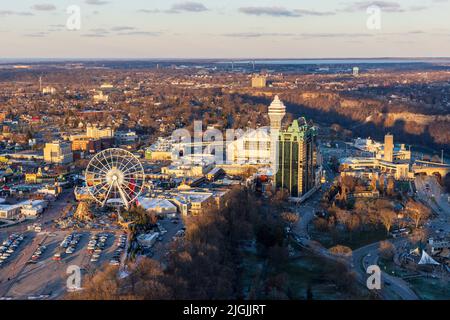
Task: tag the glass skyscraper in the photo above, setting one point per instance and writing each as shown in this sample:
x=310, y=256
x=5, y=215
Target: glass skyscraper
x=297, y=158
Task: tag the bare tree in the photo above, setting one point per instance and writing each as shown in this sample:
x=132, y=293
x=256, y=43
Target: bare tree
x=387, y=250
x=290, y=217
x=387, y=218
x=417, y=212
x=390, y=188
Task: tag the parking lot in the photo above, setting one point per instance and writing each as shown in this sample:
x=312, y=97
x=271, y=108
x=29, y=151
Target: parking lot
x=37, y=268
x=161, y=247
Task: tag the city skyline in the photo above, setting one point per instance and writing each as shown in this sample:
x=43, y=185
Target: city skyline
x=239, y=29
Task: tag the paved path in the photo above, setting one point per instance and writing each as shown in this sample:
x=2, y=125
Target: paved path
x=361, y=258
x=392, y=287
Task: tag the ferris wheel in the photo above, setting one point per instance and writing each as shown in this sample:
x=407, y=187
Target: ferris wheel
x=115, y=176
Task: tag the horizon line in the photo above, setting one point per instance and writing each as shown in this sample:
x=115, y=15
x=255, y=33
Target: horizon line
x=36, y=59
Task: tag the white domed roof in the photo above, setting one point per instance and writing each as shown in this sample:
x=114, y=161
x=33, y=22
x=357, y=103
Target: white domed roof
x=277, y=106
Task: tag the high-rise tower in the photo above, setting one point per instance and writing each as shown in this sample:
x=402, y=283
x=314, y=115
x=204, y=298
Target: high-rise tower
x=389, y=148
x=297, y=158
x=277, y=112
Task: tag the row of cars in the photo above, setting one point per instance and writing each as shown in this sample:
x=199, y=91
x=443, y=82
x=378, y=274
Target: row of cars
x=37, y=254
x=9, y=246
x=96, y=245
x=121, y=243
x=68, y=245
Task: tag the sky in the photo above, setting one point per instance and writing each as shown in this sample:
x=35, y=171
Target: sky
x=229, y=29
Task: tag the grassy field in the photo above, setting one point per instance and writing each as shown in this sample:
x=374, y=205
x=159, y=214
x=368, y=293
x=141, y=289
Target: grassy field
x=426, y=288
x=431, y=289
x=353, y=240
x=301, y=273
x=391, y=268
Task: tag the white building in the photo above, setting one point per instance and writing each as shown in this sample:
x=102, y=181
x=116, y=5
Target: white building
x=159, y=206
x=9, y=211
x=125, y=137
x=32, y=208
x=368, y=145
x=251, y=148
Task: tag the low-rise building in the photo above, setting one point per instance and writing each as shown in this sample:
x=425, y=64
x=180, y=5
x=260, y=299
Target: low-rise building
x=254, y=147
x=400, y=171
x=32, y=208
x=58, y=152
x=194, y=203
x=158, y=206
x=126, y=137
x=9, y=211
x=259, y=82
x=161, y=150
x=86, y=144
x=181, y=170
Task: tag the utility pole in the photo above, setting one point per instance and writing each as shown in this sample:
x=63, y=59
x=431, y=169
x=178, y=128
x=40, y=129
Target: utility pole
x=442, y=156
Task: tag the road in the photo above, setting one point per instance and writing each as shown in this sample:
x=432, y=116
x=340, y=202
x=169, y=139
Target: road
x=392, y=287
x=430, y=192
x=361, y=258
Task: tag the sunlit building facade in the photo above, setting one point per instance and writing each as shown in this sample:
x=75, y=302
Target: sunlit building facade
x=297, y=158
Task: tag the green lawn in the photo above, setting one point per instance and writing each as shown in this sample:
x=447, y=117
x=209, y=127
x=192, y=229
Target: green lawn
x=431, y=289
x=352, y=240
x=391, y=268
x=301, y=273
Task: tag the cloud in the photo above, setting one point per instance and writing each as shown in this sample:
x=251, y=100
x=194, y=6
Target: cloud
x=97, y=2
x=335, y=35
x=97, y=33
x=386, y=6
x=140, y=33
x=94, y=35
x=282, y=12
x=14, y=13
x=314, y=13
x=187, y=6
x=122, y=28
x=149, y=11
x=257, y=34
x=99, y=30
x=119, y=31
x=269, y=11
x=36, y=35
x=296, y=35
x=44, y=7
